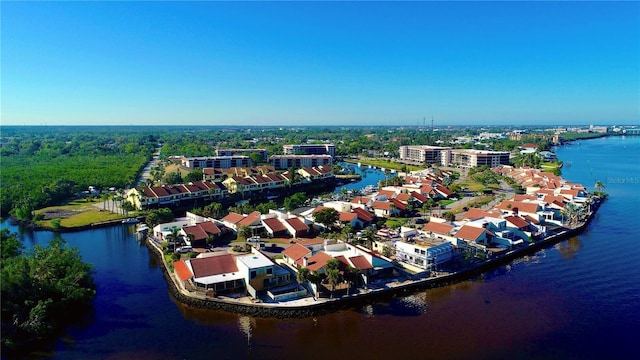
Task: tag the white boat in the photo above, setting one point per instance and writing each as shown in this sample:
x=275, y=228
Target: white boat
x=130, y=221
x=142, y=227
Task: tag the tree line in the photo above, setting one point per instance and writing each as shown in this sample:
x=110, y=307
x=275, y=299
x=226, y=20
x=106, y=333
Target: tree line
x=44, y=166
x=43, y=291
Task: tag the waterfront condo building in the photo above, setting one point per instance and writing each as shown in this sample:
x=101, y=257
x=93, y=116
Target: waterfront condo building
x=232, y=152
x=310, y=149
x=281, y=162
x=219, y=162
x=426, y=154
x=468, y=158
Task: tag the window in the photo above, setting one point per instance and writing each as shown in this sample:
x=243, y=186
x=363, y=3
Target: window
x=270, y=271
x=253, y=274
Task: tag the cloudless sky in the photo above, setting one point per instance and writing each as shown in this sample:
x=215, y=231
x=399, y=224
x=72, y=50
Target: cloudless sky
x=319, y=63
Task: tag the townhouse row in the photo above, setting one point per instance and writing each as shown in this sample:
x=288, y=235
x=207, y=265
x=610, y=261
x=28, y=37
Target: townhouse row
x=144, y=197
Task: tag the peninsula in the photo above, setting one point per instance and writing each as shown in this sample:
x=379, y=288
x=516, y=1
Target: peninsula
x=304, y=262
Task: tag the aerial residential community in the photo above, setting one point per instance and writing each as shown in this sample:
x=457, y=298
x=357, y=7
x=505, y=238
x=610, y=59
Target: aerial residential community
x=319, y=179
x=295, y=257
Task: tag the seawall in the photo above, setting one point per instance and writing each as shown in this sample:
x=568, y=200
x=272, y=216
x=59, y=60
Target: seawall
x=331, y=305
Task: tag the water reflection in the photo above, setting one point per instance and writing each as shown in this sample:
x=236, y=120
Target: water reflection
x=246, y=324
x=569, y=248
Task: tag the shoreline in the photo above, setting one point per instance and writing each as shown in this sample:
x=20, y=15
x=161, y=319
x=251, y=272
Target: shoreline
x=311, y=307
x=35, y=227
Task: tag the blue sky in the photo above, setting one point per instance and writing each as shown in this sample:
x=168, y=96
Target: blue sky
x=320, y=63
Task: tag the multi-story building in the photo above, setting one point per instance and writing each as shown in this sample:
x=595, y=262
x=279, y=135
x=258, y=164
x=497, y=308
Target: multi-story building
x=220, y=162
x=468, y=158
x=232, y=152
x=280, y=162
x=424, y=254
x=426, y=154
x=310, y=149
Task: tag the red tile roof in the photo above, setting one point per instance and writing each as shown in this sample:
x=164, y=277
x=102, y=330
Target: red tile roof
x=213, y=265
x=209, y=227
x=196, y=231
x=521, y=206
x=360, y=262
x=360, y=200
x=468, y=232
x=517, y=221
x=531, y=220
x=475, y=213
x=233, y=218
x=438, y=228
x=403, y=197
x=443, y=190
x=520, y=197
x=387, y=193
x=545, y=191
x=296, y=252
x=384, y=205
x=318, y=208
x=297, y=224
x=427, y=190
x=399, y=204
x=251, y=219
x=344, y=263
x=274, y=224
x=572, y=192
x=418, y=196
x=347, y=217
x=549, y=199
x=363, y=214
x=317, y=261
x=182, y=270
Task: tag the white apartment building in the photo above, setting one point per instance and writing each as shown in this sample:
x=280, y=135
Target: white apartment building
x=426, y=154
x=468, y=158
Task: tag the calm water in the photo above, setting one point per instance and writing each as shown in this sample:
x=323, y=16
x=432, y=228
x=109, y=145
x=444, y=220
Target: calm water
x=370, y=177
x=577, y=300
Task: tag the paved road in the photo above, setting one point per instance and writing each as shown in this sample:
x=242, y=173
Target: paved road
x=146, y=172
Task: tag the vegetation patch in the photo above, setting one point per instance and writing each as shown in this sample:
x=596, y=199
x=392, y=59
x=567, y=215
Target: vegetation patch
x=43, y=291
x=396, y=222
x=75, y=214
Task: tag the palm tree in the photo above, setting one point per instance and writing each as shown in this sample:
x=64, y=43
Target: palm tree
x=174, y=236
x=386, y=177
x=351, y=276
x=105, y=198
x=191, y=238
x=303, y=275
x=135, y=196
x=369, y=236
x=347, y=230
x=573, y=213
x=599, y=185
x=244, y=232
x=333, y=274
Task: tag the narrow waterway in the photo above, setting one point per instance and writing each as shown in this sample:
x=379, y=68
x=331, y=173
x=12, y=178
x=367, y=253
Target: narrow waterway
x=577, y=300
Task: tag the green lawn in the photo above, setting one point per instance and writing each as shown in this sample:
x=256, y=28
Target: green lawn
x=396, y=222
x=76, y=213
x=551, y=164
x=471, y=185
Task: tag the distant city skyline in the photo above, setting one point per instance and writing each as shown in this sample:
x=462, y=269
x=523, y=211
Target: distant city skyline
x=320, y=63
